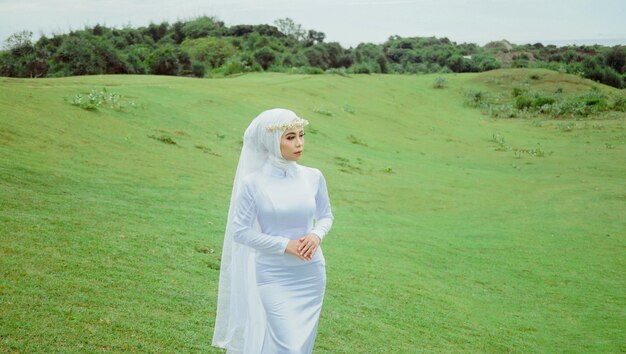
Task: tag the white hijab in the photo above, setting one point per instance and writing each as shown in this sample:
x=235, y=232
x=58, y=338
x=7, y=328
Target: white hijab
x=240, y=319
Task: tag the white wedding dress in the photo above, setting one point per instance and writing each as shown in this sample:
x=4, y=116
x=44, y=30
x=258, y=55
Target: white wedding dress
x=269, y=301
x=278, y=203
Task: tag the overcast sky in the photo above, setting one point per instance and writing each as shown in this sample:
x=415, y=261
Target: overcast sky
x=348, y=22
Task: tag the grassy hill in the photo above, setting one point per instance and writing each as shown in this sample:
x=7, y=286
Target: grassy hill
x=453, y=231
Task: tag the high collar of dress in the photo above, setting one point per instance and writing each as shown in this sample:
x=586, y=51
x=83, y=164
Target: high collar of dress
x=280, y=167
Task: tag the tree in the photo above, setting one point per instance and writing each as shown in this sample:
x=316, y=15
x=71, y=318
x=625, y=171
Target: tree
x=372, y=56
x=77, y=56
x=176, y=32
x=210, y=50
x=289, y=28
x=163, y=61
x=156, y=31
x=616, y=58
x=19, y=43
x=314, y=37
x=202, y=27
x=265, y=57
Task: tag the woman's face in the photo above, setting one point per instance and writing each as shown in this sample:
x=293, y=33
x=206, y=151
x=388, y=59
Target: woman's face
x=292, y=144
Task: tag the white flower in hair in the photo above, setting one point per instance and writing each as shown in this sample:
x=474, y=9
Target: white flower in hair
x=295, y=123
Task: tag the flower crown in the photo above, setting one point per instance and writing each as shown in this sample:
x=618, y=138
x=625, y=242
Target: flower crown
x=295, y=123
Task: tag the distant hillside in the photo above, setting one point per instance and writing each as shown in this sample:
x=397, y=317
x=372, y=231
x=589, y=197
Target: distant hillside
x=205, y=46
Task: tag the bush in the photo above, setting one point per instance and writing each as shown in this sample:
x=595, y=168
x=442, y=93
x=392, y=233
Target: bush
x=202, y=27
x=440, y=83
x=540, y=101
x=163, y=61
x=523, y=102
x=517, y=91
x=212, y=51
x=619, y=103
x=476, y=98
x=265, y=57
x=594, y=98
x=198, y=70
x=311, y=70
x=361, y=68
x=234, y=67
x=340, y=71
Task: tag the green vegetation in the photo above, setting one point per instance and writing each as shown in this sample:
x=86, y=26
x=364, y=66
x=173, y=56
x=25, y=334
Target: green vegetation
x=454, y=231
x=532, y=94
x=205, y=46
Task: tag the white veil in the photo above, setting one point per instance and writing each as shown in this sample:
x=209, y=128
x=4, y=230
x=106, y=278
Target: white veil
x=240, y=318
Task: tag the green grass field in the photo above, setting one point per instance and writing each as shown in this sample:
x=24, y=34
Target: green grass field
x=110, y=238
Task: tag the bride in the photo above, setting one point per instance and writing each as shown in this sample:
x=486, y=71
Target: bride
x=273, y=276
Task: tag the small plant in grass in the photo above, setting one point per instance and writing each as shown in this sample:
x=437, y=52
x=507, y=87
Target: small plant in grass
x=348, y=108
x=89, y=102
x=311, y=130
x=354, y=140
x=94, y=99
x=440, y=83
x=534, y=152
x=517, y=91
x=609, y=146
x=476, y=98
x=323, y=111
x=163, y=138
x=500, y=144
x=503, y=111
x=566, y=127
x=347, y=166
x=207, y=150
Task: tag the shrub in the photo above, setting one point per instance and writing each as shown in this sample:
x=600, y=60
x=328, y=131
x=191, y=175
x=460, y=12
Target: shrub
x=265, y=57
x=503, y=111
x=619, y=103
x=540, y=101
x=339, y=71
x=212, y=51
x=361, y=69
x=476, y=98
x=517, y=91
x=163, y=61
x=198, y=70
x=233, y=67
x=311, y=70
x=440, y=83
x=323, y=111
x=594, y=98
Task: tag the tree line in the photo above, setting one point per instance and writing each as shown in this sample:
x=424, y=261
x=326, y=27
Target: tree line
x=205, y=46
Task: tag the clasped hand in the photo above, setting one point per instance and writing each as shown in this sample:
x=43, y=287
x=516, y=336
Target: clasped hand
x=304, y=247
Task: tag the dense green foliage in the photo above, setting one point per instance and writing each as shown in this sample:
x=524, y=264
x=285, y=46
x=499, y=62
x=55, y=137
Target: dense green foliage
x=205, y=46
x=454, y=232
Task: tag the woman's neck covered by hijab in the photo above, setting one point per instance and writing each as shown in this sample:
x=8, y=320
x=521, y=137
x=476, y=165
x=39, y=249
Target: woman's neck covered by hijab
x=281, y=163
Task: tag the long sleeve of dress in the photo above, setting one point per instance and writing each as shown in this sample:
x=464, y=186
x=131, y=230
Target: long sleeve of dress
x=323, y=213
x=243, y=226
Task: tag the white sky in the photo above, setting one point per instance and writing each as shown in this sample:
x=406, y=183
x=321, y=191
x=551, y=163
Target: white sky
x=348, y=22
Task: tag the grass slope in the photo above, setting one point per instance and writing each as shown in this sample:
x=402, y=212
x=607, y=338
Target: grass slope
x=110, y=239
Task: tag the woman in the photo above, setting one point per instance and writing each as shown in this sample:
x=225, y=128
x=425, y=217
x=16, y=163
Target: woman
x=272, y=278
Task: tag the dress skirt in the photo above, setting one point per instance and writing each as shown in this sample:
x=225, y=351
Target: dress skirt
x=291, y=294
